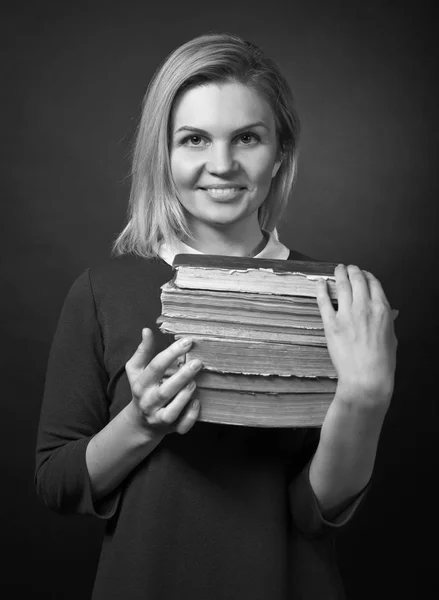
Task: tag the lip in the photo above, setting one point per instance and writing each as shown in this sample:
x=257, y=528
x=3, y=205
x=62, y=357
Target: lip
x=222, y=186
x=223, y=194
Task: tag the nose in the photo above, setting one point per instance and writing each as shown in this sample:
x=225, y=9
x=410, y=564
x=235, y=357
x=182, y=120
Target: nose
x=221, y=160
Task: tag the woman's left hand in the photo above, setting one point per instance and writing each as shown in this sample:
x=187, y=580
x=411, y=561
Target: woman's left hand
x=360, y=337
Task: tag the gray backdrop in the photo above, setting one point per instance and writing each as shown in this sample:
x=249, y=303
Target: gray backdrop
x=364, y=77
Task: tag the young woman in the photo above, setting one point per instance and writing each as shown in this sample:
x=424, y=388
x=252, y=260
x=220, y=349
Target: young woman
x=197, y=510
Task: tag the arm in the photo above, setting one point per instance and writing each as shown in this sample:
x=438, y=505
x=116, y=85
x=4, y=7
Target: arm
x=154, y=411
x=81, y=457
x=75, y=405
x=115, y=451
x=362, y=345
x=343, y=463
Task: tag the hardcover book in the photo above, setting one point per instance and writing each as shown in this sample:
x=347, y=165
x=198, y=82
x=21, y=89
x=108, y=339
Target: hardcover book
x=257, y=329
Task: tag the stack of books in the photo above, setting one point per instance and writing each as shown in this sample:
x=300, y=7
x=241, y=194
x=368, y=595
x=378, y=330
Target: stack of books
x=258, y=331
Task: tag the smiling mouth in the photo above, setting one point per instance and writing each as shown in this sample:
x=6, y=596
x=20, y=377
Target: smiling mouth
x=223, y=193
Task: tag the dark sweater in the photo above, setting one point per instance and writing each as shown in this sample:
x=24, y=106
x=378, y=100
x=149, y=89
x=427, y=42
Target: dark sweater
x=220, y=513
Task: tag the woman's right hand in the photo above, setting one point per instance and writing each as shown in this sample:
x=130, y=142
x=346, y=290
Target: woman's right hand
x=163, y=407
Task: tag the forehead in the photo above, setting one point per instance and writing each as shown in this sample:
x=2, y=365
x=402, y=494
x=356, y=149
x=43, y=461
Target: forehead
x=226, y=106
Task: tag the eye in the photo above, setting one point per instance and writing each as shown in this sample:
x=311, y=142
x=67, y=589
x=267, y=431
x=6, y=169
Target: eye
x=248, y=137
x=192, y=140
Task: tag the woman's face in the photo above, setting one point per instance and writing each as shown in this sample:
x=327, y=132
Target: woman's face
x=223, y=153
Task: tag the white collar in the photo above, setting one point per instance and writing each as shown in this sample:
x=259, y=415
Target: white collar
x=273, y=249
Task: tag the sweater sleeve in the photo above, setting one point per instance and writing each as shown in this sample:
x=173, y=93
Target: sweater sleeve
x=74, y=408
x=305, y=510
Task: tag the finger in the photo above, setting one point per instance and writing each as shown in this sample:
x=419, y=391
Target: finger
x=164, y=392
x=142, y=355
x=324, y=301
x=173, y=368
x=343, y=287
x=376, y=289
x=359, y=285
x=189, y=417
x=174, y=410
x=156, y=369
x=185, y=374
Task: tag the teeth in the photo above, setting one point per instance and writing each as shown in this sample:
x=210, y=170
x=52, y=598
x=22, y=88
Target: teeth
x=222, y=193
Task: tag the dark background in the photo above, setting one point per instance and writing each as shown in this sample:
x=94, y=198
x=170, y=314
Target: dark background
x=364, y=77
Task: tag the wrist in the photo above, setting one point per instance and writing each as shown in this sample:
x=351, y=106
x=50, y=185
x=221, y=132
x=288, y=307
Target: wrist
x=350, y=430
x=134, y=421
x=354, y=399
x=370, y=397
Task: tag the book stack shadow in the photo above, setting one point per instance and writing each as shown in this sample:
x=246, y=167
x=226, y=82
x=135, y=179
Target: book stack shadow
x=257, y=329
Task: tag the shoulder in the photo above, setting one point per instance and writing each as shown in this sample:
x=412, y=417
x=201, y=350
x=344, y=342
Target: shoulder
x=125, y=268
x=124, y=294
x=128, y=273
x=120, y=280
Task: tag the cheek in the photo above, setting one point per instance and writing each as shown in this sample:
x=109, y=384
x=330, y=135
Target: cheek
x=259, y=167
x=184, y=171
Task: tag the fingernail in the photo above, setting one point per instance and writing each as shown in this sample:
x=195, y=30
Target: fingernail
x=195, y=365
x=186, y=342
x=195, y=405
x=191, y=386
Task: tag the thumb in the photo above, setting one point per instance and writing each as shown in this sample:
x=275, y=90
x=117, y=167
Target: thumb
x=142, y=356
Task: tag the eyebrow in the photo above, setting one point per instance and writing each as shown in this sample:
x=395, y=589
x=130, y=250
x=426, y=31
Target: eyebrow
x=204, y=132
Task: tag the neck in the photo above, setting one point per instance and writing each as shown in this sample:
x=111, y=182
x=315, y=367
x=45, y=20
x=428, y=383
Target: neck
x=243, y=240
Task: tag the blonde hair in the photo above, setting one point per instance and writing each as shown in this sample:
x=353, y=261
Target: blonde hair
x=155, y=213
